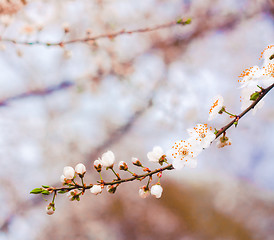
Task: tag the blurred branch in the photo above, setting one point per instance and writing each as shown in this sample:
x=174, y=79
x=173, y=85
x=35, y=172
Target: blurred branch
x=100, y=36
x=37, y=93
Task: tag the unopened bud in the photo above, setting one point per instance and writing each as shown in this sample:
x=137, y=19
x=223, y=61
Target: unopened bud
x=98, y=165
x=111, y=189
x=136, y=162
x=123, y=166
x=80, y=169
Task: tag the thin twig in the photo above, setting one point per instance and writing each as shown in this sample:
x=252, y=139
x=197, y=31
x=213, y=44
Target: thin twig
x=100, y=36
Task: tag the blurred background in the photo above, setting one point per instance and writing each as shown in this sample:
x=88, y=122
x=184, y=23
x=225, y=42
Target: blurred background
x=61, y=105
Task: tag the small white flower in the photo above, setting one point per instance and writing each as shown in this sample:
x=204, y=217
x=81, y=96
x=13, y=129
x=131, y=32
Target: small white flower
x=108, y=159
x=68, y=172
x=80, y=169
x=184, y=153
x=143, y=192
x=156, y=154
x=62, y=179
x=202, y=134
x=98, y=165
x=156, y=190
x=218, y=102
x=96, y=189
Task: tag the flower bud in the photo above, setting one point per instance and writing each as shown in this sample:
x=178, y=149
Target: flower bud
x=144, y=192
x=123, y=166
x=111, y=188
x=50, y=209
x=80, y=169
x=98, y=165
x=73, y=195
x=156, y=190
x=96, y=189
x=62, y=179
x=136, y=162
x=68, y=172
x=108, y=159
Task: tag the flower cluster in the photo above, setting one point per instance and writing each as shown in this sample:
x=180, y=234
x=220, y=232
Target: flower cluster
x=182, y=153
x=254, y=79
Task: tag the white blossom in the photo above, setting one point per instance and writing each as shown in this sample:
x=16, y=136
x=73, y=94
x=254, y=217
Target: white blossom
x=80, y=169
x=218, y=102
x=202, y=134
x=156, y=154
x=68, y=172
x=250, y=75
x=143, y=192
x=266, y=55
x=108, y=159
x=96, y=189
x=184, y=153
x=156, y=190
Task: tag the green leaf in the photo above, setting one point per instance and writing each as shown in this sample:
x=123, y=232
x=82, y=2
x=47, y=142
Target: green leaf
x=36, y=191
x=62, y=191
x=184, y=21
x=45, y=186
x=254, y=96
x=45, y=192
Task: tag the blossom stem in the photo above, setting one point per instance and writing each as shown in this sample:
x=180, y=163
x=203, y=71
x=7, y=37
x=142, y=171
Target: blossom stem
x=118, y=177
x=233, y=115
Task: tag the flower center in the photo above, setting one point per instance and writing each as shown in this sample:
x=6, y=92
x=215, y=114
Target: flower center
x=184, y=151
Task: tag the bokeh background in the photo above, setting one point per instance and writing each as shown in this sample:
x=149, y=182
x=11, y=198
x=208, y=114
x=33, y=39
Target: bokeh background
x=63, y=105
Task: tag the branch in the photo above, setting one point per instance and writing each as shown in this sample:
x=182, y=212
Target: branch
x=100, y=36
x=238, y=117
x=38, y=92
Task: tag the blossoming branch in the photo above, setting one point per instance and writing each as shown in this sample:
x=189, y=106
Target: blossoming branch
x=255, y=83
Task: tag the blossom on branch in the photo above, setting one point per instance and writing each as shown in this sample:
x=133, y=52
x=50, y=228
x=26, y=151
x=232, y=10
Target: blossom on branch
x=68, y=172
x=96, y=189
x=184, y=153
x=156, y=190
x=108, y=159
x=218, y=102
x=80, y=169
x=202, y=134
